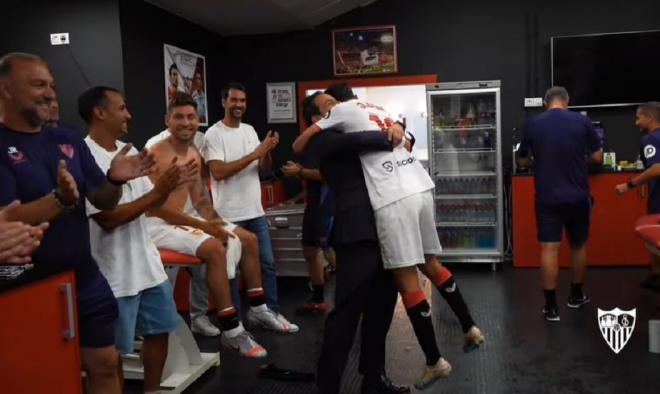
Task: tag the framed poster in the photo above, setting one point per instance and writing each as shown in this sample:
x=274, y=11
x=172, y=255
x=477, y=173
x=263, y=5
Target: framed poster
x=281, y=100
x=185, y=71
x=364, y=50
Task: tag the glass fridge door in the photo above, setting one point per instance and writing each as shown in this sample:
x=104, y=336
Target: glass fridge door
x=465, y=167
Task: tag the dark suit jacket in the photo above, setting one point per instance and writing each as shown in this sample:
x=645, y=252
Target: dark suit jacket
x=340, y=165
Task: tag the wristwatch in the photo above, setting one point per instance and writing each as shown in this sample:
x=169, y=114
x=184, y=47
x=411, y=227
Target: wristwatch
x=630, y=184
x=60, y=203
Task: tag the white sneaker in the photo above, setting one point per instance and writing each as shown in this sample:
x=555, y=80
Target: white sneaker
x=270, y=320
x=284, y=321
x=245, y=344
x=432, y=373
x=203, y=326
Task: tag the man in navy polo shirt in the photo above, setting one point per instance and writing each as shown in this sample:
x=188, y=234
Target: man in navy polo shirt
x=561, y=143
x=51, y=171
x=647, y=119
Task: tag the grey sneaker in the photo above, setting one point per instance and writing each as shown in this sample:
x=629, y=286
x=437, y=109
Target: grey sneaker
x=270, y=320
x=203, y=326
x=245, y=344
x=291, y=327
x=432, y=373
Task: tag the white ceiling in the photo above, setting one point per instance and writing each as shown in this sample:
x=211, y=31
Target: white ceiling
x=246, y=17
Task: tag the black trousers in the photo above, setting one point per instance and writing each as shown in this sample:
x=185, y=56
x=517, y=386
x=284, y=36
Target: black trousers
x=363, y=288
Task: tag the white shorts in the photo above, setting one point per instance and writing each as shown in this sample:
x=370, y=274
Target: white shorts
x=186, y=240
x=406, y=230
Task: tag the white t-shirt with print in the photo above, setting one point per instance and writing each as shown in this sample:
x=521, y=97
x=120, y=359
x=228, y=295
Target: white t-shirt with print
x=239, y=196
x=126, y=255
x=198, y=141
x=390, y=176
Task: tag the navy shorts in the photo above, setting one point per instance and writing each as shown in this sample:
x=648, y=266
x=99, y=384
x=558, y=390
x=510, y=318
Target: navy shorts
x=97, y=310
x=551, y=219
x=312, y=230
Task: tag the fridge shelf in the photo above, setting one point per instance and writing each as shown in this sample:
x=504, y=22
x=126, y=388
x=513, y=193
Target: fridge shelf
x=465, y=224
x=465, y=150
x=465, y=196
x=463, y=174
x=481, y=127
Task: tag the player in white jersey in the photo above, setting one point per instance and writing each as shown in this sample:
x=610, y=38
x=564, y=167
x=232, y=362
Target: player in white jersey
x=401, y=193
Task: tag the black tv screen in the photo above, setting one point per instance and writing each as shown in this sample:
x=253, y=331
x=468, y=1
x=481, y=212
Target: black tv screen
x=608, y=69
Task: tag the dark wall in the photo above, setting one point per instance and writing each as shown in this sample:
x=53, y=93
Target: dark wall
x=144, y=30
x=95, y=52
x=459, y=41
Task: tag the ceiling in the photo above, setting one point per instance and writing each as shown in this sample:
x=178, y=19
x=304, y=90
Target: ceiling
x=247, y=17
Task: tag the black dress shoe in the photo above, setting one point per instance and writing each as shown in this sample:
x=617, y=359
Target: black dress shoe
x=381, y=384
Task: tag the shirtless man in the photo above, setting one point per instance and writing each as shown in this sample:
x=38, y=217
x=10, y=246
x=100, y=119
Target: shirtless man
x=187, y=223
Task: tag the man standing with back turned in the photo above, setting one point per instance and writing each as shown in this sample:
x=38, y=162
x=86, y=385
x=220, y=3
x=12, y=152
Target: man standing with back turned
x=561, y=142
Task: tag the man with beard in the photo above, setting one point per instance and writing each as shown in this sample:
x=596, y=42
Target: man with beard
x=187, y=223
x=235, y=157
x=120, y=242
x=51, y=171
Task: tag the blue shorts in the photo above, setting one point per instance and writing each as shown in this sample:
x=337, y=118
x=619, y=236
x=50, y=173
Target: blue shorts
x=150, y=312
x=97, y=309
x=552, y=218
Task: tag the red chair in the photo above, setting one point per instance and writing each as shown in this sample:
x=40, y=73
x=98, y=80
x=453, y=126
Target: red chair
x=172, y=258
x=647, y=228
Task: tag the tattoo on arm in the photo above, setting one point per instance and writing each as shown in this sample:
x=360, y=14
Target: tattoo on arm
x=201, y=201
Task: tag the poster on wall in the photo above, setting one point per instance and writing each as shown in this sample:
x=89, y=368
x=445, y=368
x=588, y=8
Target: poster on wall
x=364, y=50
x=185, y=71
x=281, y=98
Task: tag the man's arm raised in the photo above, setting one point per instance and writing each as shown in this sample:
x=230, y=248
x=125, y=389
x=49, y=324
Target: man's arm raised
x=128, y=212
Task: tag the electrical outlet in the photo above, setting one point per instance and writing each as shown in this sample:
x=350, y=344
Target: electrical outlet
x=533, y=102
x=59, y=39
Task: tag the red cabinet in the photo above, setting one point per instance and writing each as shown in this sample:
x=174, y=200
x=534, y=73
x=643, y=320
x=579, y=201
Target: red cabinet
x=39, y=337
x=612, y=239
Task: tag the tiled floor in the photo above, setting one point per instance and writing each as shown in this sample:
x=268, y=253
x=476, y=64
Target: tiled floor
x=523, y=352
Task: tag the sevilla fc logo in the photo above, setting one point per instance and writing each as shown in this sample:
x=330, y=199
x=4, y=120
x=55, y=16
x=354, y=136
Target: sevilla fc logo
x=67, y=149
x=617, y=326
x=15, y=154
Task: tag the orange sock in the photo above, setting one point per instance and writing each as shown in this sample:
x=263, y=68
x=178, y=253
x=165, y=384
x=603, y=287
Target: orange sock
x=412, y=298
x=441, y=276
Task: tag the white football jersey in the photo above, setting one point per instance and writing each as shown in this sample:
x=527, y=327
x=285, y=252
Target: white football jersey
x=390, y=176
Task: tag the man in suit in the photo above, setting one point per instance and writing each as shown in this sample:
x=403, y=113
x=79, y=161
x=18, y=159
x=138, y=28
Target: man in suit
x=363, y=287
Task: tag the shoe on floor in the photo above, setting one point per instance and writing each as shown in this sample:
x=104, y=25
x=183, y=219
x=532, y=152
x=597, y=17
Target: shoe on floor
x=310, y=308
x=473, y=339
x=245, y=344
x=203, y=326
x=432, y=373
x=381, y=384
x=551, y=314
x=577, y=302
x=270, y=320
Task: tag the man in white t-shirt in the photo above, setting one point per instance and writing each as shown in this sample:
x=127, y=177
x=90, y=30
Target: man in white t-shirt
x=401, y=193
x=198, y=290
x=235, y=156
x=120, y=242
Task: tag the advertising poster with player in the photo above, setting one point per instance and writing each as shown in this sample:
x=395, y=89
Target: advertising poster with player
x=281, y=98
x=186, y=72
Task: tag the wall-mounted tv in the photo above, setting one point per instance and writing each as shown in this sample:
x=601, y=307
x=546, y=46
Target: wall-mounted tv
x=611, y=69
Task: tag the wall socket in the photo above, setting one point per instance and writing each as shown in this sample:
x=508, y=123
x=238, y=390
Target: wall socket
x=531, y=102
x=59, y=39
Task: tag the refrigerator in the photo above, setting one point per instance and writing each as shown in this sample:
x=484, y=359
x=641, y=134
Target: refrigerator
x=465, y=162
